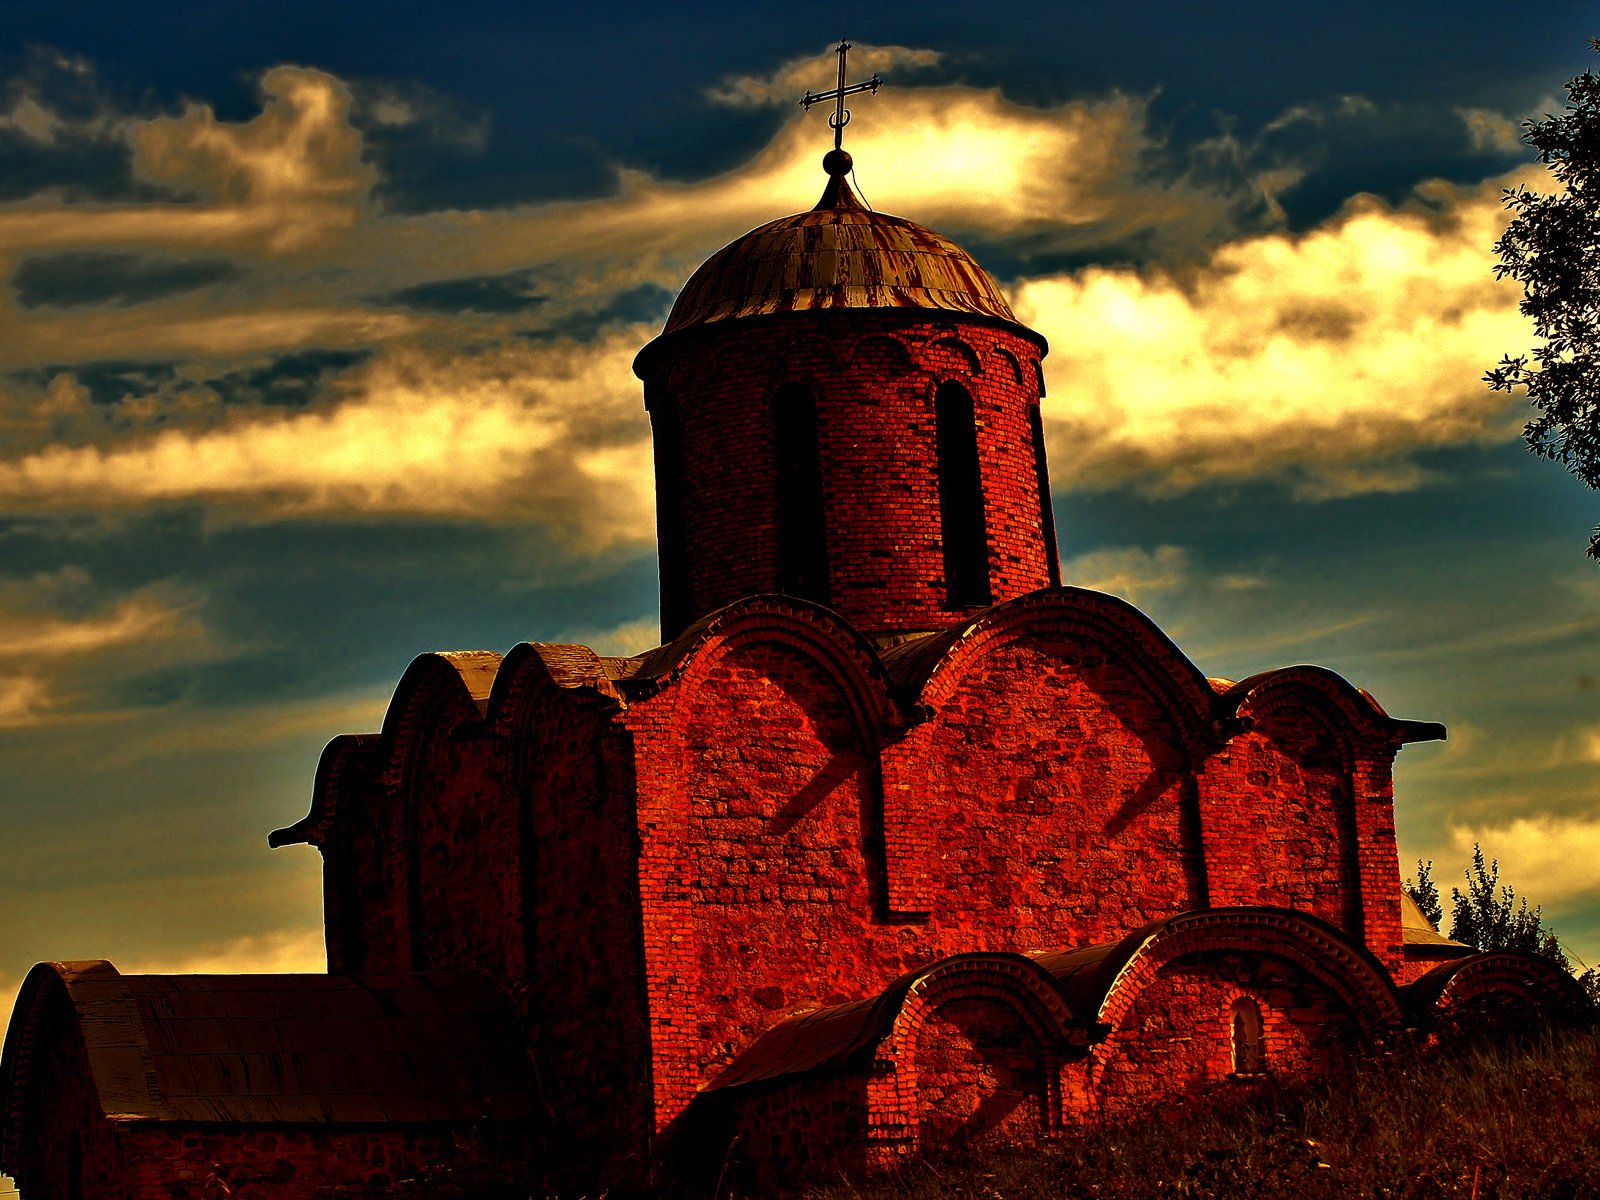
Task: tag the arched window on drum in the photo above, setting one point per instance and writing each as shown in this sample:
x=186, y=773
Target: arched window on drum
x=801, y=516
x=961, y=517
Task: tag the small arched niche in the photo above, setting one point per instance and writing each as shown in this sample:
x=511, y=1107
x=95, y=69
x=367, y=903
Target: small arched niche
x=1249, y=1049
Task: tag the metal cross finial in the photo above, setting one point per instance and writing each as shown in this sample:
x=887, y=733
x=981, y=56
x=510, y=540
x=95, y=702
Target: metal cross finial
x=841, y=115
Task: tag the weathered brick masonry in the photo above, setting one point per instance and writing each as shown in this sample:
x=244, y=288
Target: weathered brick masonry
x=894, y=845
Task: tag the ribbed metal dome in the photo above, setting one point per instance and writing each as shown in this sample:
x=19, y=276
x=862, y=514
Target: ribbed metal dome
x=841, y=254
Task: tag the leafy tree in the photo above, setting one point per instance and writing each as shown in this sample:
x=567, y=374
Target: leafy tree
x=1489, y=915
x=1552, y=248
x=1425, y=892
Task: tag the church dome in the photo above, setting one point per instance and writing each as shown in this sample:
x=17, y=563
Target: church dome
x=841, y=254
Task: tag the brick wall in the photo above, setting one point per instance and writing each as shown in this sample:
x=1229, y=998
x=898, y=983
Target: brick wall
x=980, y=1077
x=1287, y=823
x=1045, y=803
x=1176, y=1039
x=874, y=375
x=583, y=989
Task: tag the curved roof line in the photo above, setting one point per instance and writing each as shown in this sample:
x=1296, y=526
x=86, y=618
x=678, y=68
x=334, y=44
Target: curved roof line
x=1425, y=995
x=915, y=664
x=467, y=674
x=666, y=664
x=838, y=255
x=452, y=1048
x=1090, y=977
x=567, y=665
x=843, y=1035
x=347, y=753
x=114, y=1038
x=1360, y=702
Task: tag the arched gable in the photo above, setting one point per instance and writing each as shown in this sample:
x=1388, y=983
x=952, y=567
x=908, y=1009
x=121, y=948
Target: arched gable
x=957, y=1050
x=883, y=1028
x=346, y=764
x=76, y=1056
x=532, y=668
x=1105, y=985
x=341, y=825
x=1051, y=773
x=757, y=737
x=974, y=1053
x=457, y=682
x=1299, y=799
x=927, y=670
x=437, y=787
x=850, y=660
x=1346, y=716
x=1489, y=989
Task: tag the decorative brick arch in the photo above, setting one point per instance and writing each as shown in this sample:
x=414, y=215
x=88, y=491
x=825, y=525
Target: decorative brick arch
x=425, y=693
x=1347, y=970
x=950, y=347
x=928, y=671
x=1352, y=717
x=883, y=350
x=1493, y=989
x=816, y=632
x=1014, y=988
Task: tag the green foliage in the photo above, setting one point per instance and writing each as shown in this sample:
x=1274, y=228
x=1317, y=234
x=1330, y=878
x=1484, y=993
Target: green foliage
x=1512, y=1122
x=1489, y=915
x=1552, y=248
x=1425, y=892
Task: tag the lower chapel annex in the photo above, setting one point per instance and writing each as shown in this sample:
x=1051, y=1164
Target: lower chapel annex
x=894, y=844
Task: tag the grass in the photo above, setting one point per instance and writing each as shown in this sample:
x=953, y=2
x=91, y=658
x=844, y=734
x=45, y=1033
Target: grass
x=1487, y=1122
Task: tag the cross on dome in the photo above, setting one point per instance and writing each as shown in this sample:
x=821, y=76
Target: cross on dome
x=837, y=162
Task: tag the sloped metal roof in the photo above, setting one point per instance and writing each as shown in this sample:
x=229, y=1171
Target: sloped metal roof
x=1417, y=931
x=291, y=1049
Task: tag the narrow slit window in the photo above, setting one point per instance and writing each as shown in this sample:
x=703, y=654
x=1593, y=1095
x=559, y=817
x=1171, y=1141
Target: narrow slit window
x=961, y=517
x=671, y=534
x=1249, y=1056
x=801, y=517
x=1047, y=512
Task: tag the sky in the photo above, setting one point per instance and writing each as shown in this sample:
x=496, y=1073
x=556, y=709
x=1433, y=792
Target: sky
x=315, y=344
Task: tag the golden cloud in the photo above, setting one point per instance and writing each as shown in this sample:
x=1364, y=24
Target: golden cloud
x=1549, y=859
x=552, y=433
x=1325, y=359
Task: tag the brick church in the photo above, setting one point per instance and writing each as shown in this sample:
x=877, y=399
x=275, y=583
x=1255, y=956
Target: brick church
x=895, y=844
